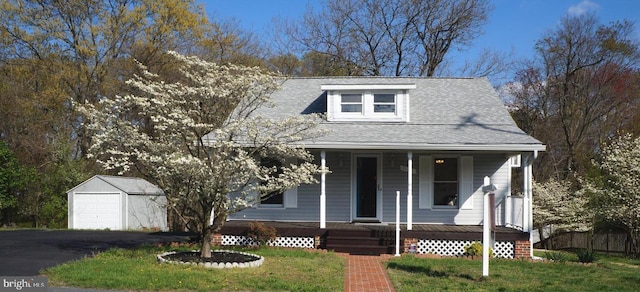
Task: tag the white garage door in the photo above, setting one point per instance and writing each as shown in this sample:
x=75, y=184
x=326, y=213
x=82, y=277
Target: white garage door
x=97, y=211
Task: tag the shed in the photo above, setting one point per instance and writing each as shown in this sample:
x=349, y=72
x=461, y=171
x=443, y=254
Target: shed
x=116, y=203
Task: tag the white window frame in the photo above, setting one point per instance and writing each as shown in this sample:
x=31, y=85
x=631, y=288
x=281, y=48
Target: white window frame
x=289, y=197
x=426, y=197
x=368, y=91
x=458, y=183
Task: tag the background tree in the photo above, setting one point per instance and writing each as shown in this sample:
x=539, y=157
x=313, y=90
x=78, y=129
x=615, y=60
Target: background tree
x=55, y=54
x=558, y=207
x=91, y=42
x=385, y=37
x=198, y=139
x=578, y=91
x=14, y=182
x=617, y=189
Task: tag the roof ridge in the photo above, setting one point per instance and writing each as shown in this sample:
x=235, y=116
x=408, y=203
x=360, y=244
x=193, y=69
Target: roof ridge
x=383, y=77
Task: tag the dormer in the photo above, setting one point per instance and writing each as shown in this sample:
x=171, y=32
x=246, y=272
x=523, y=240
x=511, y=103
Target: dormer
x=368, y=102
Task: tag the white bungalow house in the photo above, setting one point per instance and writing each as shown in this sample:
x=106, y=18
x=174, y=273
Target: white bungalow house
x=432, y=139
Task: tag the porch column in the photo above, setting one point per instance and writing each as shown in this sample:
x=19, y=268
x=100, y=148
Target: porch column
x=527, y=208
x=409, y=190
x=323, y=195
x=508, y=208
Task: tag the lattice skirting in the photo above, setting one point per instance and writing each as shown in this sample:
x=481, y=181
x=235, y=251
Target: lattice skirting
x=502, y=249
x=300, y=242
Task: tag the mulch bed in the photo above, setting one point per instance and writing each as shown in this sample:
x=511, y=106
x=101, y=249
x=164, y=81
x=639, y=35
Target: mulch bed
x=216, y=257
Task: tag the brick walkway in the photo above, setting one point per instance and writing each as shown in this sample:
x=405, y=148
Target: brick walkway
x=366, y=273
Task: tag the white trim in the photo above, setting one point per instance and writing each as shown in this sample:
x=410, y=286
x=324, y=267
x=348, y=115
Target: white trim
x=379, y=186
x=326, y=87
x=465, y=183
x=367, y=113
x=429, y=147
x=515, y=160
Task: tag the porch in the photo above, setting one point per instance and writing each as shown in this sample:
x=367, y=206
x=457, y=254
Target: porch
x=364, y=238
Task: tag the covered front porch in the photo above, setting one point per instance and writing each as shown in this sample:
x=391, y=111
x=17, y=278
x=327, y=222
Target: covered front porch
x=359, y=238
x=512, y=213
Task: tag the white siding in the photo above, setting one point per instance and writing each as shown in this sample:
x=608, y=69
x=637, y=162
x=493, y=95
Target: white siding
x=147, y=212
x=395, y=179
x=308, y=196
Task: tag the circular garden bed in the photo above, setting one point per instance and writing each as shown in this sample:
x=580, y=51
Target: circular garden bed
x=220, y=259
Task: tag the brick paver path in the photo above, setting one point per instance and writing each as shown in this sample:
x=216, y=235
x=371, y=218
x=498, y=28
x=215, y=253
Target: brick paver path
x=366, y=273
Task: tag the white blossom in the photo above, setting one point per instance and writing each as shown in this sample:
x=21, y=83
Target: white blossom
x=198, y=139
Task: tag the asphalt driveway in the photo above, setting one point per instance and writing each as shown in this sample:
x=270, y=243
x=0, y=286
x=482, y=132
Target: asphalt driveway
x=26, y=252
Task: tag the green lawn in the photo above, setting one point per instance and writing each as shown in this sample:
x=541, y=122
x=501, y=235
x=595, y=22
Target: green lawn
x=299, y=270
x=410, y=273
x=282, y=270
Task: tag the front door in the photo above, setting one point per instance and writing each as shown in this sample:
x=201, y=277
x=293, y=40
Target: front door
x=367, y=186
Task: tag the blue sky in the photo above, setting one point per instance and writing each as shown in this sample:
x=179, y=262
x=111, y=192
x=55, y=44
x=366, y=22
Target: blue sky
x=513, y=26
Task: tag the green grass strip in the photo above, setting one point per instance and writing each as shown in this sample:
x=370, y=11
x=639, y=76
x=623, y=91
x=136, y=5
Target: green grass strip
x=282, y=270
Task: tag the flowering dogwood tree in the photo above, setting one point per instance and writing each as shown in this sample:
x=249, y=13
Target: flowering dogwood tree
x=198, y=136
x=618, y=191
x=556, y=205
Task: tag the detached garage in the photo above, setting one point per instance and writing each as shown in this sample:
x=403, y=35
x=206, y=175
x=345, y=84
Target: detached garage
x=117, y=203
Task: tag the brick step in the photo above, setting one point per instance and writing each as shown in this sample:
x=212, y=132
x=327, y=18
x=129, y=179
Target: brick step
x=363, y=240
x=349, y=233
x=355, y=241
x=359, y=249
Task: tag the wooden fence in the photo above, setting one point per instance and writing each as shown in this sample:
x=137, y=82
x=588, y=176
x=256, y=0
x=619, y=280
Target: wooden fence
x=606, y=242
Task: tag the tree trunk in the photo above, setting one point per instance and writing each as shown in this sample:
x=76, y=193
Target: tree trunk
x=207, y=236
x=208, y=231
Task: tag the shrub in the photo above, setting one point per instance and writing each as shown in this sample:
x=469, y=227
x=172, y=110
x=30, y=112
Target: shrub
x=261, y=233
x=556, y=256
x=475, y=249
x=586, y=256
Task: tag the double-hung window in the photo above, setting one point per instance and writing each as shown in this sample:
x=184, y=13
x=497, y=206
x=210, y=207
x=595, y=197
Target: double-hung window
x=351, y=103
x=384, y=103
x=445, y=182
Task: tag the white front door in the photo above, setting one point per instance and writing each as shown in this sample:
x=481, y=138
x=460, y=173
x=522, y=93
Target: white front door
x=367, y=187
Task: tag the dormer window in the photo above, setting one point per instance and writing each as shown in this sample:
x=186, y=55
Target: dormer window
x=384, y=103
x=368, y=102
x=351, y=103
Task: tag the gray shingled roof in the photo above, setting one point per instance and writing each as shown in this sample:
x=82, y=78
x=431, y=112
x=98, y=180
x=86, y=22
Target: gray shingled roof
x=445, y=113
x=132, y=185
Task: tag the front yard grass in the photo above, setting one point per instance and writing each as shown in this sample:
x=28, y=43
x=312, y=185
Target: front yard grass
x=282, y=270
x=410, y=273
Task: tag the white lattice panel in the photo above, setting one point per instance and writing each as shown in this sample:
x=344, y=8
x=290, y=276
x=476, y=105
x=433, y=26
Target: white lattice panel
x=442, y=247
x=241, y=240
x=502, y=249
x=301, y=242
x=236, y=240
